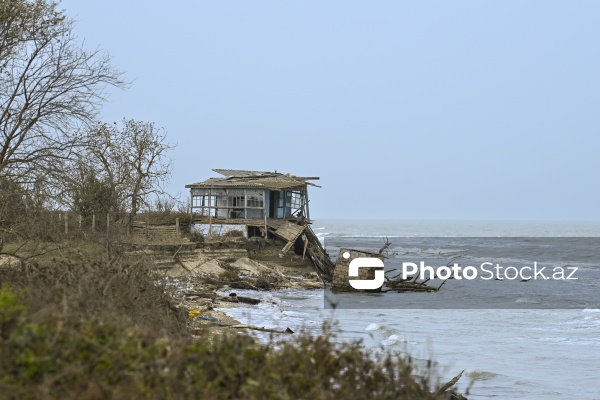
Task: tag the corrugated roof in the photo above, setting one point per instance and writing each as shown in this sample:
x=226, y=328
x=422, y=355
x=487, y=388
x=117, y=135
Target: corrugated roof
x=240, y=173
x=253, y=179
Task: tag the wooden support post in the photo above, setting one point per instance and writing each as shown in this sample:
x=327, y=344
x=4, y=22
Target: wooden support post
x=191, y=208
x=147, y=227
x=177, y=227
x=305, y=243
x=107, y=223
x=79, y=221
x=93, y=222
x=66, y=224
x=266, y=226
x=307, y=213
x=209, y=213
x=265, y=196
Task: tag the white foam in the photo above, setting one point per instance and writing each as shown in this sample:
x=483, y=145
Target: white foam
x=526, y=300
x=394, y=339
x=591, y=310
x=373, y=327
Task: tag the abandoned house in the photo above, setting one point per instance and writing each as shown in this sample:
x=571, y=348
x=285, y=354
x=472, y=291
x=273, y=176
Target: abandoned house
x=259, y=204
x=249, y=201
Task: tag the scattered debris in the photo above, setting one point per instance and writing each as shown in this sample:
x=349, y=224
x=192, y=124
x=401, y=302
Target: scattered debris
x=451, y=394
x=259, y=328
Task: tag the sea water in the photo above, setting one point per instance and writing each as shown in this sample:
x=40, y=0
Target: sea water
x=506, y=352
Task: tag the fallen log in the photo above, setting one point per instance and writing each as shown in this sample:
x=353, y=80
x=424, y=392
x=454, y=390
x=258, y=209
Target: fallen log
x=242, y=299
x=411, y=286
x=205, y=295
x=449, y=384
x=258, y=328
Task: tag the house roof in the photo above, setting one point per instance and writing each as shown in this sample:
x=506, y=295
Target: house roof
x=254, y=179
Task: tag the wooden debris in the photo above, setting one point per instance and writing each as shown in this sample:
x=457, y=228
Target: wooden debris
x=259, y=328
x=451, y=394
x=386, y=244
x=318, y=255
x=205, y=295
x=289, y=231
x=232, y=298
x=410, y=285
x=242, y=299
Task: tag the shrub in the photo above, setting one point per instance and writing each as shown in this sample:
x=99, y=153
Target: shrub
x=96, y=357
x=110, y=330
x=135, y=292
x=233, y=233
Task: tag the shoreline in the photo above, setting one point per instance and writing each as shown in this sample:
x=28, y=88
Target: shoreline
x=198, y=277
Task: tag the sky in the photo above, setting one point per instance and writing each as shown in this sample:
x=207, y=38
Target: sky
x=472, y=110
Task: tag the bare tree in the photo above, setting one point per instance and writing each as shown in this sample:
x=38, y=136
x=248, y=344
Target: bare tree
x=50, y=86
x=22, y=20
x=105, y=158
x=150, y=166
x=132, y=159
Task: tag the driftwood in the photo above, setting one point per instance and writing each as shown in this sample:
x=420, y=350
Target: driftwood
x=451, y=394
x=204, y=295
x=386, y=244
x=410, y=285
x=242, y=299
x=232, y=298
x=258, y=328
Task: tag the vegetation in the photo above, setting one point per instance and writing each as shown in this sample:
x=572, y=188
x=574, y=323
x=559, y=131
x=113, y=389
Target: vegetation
x=107, y=330
x=50, y=86
x=129, y=164
x=54, y=152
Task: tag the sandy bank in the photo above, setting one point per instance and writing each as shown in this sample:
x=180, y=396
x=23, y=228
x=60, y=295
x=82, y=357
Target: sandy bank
x=197, y=276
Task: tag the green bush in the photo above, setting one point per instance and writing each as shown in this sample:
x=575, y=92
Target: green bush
x=100, y=358
x=102, y=330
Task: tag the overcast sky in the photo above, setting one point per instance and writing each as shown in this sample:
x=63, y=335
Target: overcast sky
x=405, y=109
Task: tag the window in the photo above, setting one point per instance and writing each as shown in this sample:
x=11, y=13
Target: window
x=237, y=201
x=255, y=201
x=294, y=201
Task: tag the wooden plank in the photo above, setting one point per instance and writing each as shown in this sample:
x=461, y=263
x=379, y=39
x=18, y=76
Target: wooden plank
x=286, y=247
x=289, y=231
x=274, y=223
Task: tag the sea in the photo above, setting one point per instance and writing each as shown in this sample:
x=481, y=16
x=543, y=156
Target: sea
x=517, y=338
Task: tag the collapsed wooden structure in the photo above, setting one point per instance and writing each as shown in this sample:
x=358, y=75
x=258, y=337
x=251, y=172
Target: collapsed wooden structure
x=259, y=204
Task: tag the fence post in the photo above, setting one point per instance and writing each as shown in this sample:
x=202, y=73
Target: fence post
x=147, y=227
x=79, y=221
x=107, y=222
x=66, y=223
x=93, y=222
x=177, y=227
